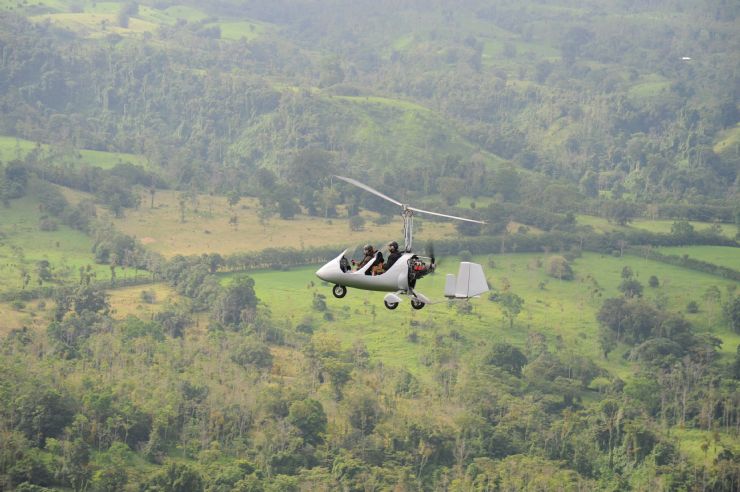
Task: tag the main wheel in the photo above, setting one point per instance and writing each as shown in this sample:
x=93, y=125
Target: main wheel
x=339, y=291
x=390, y=305
x=417, y=304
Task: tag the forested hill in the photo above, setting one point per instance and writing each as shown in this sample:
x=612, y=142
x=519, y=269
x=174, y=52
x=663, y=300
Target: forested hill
x=166, y=197
x=629, y=96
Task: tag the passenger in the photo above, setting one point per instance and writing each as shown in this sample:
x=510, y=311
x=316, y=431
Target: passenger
x=393, y=255
x=370, y=256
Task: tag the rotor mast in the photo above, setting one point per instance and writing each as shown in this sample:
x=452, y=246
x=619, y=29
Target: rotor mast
x=408, y=228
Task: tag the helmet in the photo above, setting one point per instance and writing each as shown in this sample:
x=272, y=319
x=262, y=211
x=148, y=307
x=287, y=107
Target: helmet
x=393, y=246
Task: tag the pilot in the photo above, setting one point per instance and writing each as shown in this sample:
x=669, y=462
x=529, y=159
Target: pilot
x=393, y=255
x=369, y=255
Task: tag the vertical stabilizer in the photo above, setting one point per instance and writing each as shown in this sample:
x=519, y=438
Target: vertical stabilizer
x=470, y=282
x=450, y=285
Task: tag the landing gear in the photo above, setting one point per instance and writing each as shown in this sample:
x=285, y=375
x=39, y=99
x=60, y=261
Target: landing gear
x=390, y=305
x=339, y=291
x=416, y=304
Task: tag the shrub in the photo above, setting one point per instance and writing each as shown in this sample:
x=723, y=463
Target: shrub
x=148, y=296
x=559, y=268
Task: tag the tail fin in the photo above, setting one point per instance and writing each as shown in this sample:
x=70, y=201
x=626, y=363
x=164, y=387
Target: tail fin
x=470, y=282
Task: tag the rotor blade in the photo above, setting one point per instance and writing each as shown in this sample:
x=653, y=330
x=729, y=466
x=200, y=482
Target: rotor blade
x=444, y=215
x=367, y=188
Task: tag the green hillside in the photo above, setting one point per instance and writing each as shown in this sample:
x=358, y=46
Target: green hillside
x=167, y=194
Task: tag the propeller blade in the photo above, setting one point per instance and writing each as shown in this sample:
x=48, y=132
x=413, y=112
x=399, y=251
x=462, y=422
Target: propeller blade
x=430, y=248
x=444, y=215
x=367, y=188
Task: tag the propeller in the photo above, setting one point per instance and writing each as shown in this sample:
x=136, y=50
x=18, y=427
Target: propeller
x=407, y=212
x=405, y=207
x=430, y=253
x=444, y=215
x=367, y=188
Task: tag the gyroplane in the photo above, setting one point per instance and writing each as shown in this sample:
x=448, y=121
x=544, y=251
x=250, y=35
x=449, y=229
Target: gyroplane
x=400, y=279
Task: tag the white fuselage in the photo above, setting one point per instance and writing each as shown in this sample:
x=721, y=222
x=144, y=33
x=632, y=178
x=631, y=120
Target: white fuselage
x=393, y=280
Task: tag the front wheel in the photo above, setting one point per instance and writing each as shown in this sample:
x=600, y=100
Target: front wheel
x=339, y=291
x=417, y=304
x=390, y=305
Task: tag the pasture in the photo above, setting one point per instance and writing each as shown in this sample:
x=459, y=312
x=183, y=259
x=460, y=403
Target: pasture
x=23, y=245
x=17, y=148
x=128, y=301
x=725, y=256
x=564, y=311
x=664, y=226
x=207, y=227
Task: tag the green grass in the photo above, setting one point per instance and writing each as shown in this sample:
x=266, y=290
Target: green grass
x=728, y=141
x=563, y=310
x=235, y=30
x=719, y=255
x=17, y=148
x=691, y=441
x=664, y=226
x=23, y=245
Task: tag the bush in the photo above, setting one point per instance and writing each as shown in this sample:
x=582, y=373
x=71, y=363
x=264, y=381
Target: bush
x=692, y=307
x=47, y=225
x=356, y=223
x=148, y=296
x=654, y=282
x=559, y=268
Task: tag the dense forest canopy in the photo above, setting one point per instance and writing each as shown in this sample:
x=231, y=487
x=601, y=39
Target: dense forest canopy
x=640, y=96
x=165, y=179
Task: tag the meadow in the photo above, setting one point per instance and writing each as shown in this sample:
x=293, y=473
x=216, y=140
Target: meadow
x=565, y=311
x=17, y=148
x=725, y=256
x=23, y=244
x=664, y=226
x=207, y=227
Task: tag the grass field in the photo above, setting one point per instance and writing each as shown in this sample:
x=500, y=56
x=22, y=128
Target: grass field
x=728, y=141
x=22, y=245
x=208, y=229
x=719, y=255
x=34, y=315
x=127, y=301
x=600, y=224
x=92, y=24
x=17, y=148
x=564, y=311
x=664, y=226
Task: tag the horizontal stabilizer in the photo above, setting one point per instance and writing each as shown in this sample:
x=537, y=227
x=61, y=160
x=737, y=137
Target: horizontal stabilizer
x=470, y=282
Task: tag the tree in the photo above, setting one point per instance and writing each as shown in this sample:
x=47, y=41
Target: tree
x=607, y=341
x=236, y=299
x=253, y=353
x=682, y=229
x=16, y=180
x=356, y=223
x=309, y=417
x=619, y=211
x=451, y=189
x=511, y=305
x=559, y=268
x=507, y=357
x=732, y=314
x=631, y=288
x=176, y=477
